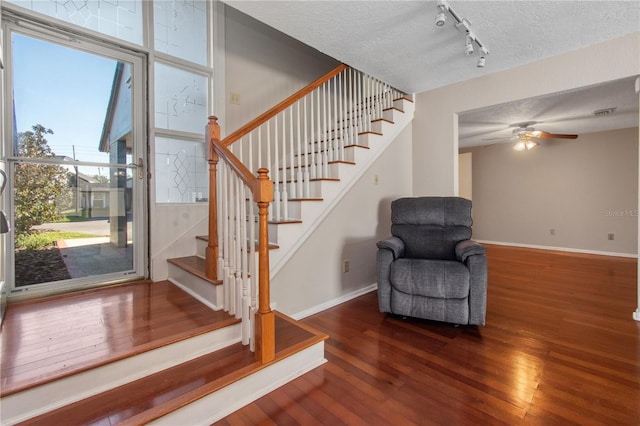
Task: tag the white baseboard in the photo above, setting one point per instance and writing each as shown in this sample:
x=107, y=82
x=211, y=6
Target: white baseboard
x=567, y=249
x=334, y=302
x=636, y=314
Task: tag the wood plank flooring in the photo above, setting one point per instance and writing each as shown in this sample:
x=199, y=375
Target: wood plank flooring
x=51, y=338
x=560, y=347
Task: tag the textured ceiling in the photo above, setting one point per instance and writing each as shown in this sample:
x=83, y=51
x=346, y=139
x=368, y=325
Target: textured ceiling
x=565, y=112
x=398, y=42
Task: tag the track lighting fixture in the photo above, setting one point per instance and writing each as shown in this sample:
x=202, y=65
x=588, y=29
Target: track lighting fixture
x=464, y=26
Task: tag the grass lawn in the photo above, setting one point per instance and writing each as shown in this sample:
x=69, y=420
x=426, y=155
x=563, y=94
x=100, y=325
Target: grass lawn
x=40, y=240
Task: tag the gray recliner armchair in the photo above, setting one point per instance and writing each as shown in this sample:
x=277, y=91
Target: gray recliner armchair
x=430, y=268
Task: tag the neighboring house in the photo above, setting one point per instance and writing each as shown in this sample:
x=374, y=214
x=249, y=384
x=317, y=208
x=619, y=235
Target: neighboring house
x=91, y=196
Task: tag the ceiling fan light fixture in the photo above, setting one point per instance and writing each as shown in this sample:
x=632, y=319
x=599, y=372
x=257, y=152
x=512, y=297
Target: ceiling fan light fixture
x=520, y=146
x=530, y=144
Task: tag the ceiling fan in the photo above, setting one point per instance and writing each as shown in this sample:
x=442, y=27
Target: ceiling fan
x=526, y=136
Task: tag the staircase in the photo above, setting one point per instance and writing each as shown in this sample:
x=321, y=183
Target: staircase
x=308, y=151
x=316, y=144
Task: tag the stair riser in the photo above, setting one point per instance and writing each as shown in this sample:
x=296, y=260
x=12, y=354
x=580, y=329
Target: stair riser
x=53, y=395
x=209, y=294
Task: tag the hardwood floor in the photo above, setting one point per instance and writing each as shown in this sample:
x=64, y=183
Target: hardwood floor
x=50, y=338
x=560, y=347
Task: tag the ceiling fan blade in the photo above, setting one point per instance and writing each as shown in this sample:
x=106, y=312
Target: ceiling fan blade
x=546, y=135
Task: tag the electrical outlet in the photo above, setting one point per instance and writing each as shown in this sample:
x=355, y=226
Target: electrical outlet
x=234, y=99
x=376, y=179
x=345, y=266
x=611, y=236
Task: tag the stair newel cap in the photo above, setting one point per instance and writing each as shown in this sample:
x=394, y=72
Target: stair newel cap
x=213, y=130
x=263, y=191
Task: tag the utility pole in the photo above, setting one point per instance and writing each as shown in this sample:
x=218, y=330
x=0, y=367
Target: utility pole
x=75, y=201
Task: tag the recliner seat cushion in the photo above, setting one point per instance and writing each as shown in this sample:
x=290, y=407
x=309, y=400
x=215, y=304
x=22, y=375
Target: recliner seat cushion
x=441, y=279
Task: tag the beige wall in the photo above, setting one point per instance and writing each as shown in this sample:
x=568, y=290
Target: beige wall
x=435, y=145
x=465, y=174
x=314, y=274
x=263, y=67
x=583, y=189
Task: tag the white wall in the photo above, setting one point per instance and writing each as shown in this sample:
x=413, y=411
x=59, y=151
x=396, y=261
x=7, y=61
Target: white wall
x=435, y=141
x=313, y=275
x=582, y=189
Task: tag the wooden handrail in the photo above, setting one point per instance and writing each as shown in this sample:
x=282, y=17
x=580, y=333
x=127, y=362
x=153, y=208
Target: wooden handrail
x=263, y=118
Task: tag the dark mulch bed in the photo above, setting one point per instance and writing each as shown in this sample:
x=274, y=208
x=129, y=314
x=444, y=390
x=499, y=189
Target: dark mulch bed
x=40, y=266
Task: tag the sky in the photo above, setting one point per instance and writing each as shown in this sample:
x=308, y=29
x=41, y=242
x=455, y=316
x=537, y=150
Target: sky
x=65, y=90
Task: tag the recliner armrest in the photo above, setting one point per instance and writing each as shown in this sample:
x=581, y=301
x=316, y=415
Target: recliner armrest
x=394, y=244
x=468, y=248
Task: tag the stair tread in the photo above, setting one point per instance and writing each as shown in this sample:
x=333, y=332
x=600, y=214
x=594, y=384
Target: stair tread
x=149, y=398
x=194, y=265
x=271, y=245
x=152, y=305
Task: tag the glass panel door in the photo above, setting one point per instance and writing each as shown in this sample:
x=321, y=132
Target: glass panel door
x=78, y=186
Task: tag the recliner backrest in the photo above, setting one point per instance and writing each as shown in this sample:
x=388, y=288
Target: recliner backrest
x=431, y=226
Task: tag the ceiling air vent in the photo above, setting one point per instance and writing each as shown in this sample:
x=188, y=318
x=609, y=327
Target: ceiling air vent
x=605, y=111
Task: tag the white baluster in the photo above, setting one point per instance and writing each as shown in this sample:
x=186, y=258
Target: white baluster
x=341, y=117
x=292, y=163
x=237, y=299
x=299, y=177
x=317, y=147
x=276, y=172
x=243, y=265
x=307, y=164
x=284, y=195
x=325, y=149
x=271, y=210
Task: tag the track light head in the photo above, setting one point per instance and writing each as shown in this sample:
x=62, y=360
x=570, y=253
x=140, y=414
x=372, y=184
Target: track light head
x=468, y=47
x=441, y=17
x=483, y=54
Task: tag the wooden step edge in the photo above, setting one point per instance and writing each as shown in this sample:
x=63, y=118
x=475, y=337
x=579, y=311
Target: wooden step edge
x=392, y=108
x=382, y=119
x=186, y=263
x=370, y=133
x=108, y=359
x=294, y=181
x=271, y=246
x=357, y=146
x=403, y=98
x=285, y=222
x=324, y=179
x=211, y=387
x=351, y=163
x=306, y=199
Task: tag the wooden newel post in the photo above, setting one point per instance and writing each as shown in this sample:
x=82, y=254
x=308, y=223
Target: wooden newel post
x=265, y=319
x=211, y=254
